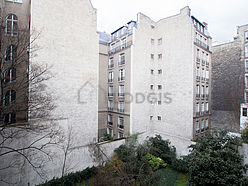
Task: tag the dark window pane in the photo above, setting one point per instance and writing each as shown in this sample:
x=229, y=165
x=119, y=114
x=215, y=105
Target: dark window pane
x=13, y=95
x=244, y=111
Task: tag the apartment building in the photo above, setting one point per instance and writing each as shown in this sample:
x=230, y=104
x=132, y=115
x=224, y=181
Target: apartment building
x=164, y=70
x=14, y=41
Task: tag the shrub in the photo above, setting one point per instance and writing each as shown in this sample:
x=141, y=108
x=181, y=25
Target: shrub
x=154, y=162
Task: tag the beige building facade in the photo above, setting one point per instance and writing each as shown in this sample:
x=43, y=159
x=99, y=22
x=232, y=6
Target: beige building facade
x=167, y=79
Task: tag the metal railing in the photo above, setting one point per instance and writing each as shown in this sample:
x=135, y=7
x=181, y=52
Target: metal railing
x=120, y=48
x=121, y=78
x=198, y=60
x=198, y=78
x=122, y=62
x=111, y=65
x=121, y=94
x=110, y=109
x=197, y=95
x=120, y=110
x=201, y=44
x=121, y=126
x=110, y=80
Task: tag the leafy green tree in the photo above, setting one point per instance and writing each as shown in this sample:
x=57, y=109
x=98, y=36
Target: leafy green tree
x=215, y=160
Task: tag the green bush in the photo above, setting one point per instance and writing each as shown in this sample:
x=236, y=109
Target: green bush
x=72, y=178
x=154, y=162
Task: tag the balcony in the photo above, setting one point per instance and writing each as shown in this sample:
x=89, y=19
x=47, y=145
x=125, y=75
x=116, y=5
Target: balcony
x=110, y=123
x=121, y=126
x=198, y=60
x=120, y=110
x=120, y=48
x=198, y=96
x=201, y=44
x=198, y=78
x=110, y=109
x=110, y=80
x=203, y=78
x=121, y=79
x=110, y=65
x=203, y=62
x=207, y=64
x=202, y=96
x=122, y=62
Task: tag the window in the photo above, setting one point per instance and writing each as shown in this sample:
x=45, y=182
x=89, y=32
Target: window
x=207, y=59
x=152, y=41
x=246, y=65
x=111, y=77
x=246, y=36
x=121, y=90
x=246, y=50
x=111, y=62
x=152, y=56
x=9, y=118
x=246, y=101
x=151, y=87
x=123, y=43
x=197, y=91
x=159, y=87
x=151, y=117
x=120, y=135
x=9, y=97
x=202, y=109
x=203, y=74
x=112, y=47
x=206, y=91
x=160, y=41
x=120, y=122
x=110, y=91
x=110, y=105
x=202, y=92
x=206, y=123
x=110, y=131
x=121, y=59
x=197, y=127
x=207, y=75
x=159, y=56
x=15, y=1
x=206, y=107
x=10, y=75
x=160, y=71
x=152, y=71
x=244, y=111
x=159, y=102
x=110, y=119
x=121, y=75
x=246, y=81
x=159, y=118
x=10, y=53
x=202, y=125
x=198, y=73
x=121, y=106
x=12, y=25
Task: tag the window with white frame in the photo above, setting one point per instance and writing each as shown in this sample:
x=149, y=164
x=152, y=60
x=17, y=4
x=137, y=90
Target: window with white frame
x=198, y=73
x=159, y=118
x=152, y=56
x=111, y=62
x=15, y=1
x=159, y=56
x=203, y=74
x=123, y=43
x=152, y=71
x=246, y=65
x=206, y=107
x=121, y=59
x=207, y=75
x=246, y=50
x=197, y=108
x=112, y=46
x=159, y=87
x=197, y=91
x=206, y=123
x=121, y=106
x=160, y=41
x=120, y=122
x=202, y=91
x=244, y=112
x=110, y=91
x=206, y=92
x=12, y=25
x=121, y=90
x=110, y=119
x=202, y=125
x=152, y=41
x=110, y=105
x=159, y=102
x=202, y=109
x=110, y=131
x=246, y=81
x=151, y=117
x=197, y=127
x=121, y=75
x=120, y=135
x=246, y=36
x=111, y=77
x=151, y=87
x=160, y=71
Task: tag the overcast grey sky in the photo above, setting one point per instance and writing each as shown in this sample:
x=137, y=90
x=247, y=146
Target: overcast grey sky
x=222, y=16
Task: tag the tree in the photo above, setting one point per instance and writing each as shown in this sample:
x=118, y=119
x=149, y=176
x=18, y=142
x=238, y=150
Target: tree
x=27, y=130
x=215, y=160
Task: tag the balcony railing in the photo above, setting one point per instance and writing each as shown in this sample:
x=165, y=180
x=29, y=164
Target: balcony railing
x=202, y=113
x=207, y=80
x=120, y=110
x=120, y=48
x=122, y=62
x=197, y=95
x=121, y=126
x=203, y=62
x=198, y=78
x=121, y=78
x=198, y=60
x=197, y=114
x=201, y=44
x=207, y=64
x=110, y=123
x=111, y=65
x=203, y=78
x=110, y=109
x=203, y=96
x=110, y=80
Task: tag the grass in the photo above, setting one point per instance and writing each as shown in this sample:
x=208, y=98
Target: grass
x=169, y=177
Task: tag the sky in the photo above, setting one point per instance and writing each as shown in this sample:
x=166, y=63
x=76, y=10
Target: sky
x=222, y=16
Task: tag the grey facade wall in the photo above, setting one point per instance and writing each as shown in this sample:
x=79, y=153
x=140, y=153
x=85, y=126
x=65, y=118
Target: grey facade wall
x=227, y=85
